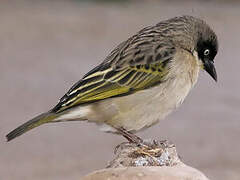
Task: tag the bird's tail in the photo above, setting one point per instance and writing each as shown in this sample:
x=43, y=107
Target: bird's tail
x=35, y=122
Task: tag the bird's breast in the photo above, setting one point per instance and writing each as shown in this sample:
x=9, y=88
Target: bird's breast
x=144, y=108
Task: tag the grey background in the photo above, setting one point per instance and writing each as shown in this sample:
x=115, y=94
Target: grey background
x=46, y=46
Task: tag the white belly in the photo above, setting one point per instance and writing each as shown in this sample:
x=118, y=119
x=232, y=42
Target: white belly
x=145, y=108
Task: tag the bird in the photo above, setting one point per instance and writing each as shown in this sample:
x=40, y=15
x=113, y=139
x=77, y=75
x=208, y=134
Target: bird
x=140, y=82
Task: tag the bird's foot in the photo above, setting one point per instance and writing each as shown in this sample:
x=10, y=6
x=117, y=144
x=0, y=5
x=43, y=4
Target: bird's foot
x=145, y=149
x=151, y=149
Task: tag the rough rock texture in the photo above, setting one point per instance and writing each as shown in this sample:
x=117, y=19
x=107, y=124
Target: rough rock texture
x=152, y=160
x=150, y=153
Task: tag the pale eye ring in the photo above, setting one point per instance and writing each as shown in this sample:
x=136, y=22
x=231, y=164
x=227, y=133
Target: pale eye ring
x=206, y=52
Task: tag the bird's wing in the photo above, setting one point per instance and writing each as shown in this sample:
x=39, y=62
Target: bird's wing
x=131, y=67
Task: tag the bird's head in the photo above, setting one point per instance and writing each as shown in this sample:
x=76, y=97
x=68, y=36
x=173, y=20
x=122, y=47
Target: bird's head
x=195, y=36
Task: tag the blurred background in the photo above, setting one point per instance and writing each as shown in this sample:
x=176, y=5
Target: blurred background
x=46, y=46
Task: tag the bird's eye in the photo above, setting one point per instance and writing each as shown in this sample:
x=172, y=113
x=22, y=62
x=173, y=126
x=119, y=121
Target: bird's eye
x=206, y=52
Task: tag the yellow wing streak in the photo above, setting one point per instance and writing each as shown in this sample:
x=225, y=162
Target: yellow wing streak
x=105, y=93
x=114, y=83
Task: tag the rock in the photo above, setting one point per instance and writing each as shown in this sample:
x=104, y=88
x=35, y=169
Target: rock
x=147, y=173
x=151, y=153
x=152, y=160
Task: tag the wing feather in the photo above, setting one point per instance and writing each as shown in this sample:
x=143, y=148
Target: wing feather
x=126, y=70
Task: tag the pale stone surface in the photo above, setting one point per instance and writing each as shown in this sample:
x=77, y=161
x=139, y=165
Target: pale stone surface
x=154, y=160
x=147, y=173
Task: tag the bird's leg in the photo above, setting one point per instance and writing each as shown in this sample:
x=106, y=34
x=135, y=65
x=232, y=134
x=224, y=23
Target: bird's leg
x=142, y=148
x=132, y=138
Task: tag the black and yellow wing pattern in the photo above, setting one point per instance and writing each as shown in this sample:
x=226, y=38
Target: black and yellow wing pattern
x=125, y=71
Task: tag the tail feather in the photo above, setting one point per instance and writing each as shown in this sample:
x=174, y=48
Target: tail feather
x=35, y=122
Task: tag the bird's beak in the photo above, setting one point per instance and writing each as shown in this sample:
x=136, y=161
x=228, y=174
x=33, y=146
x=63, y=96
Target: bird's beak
x=209, y=67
